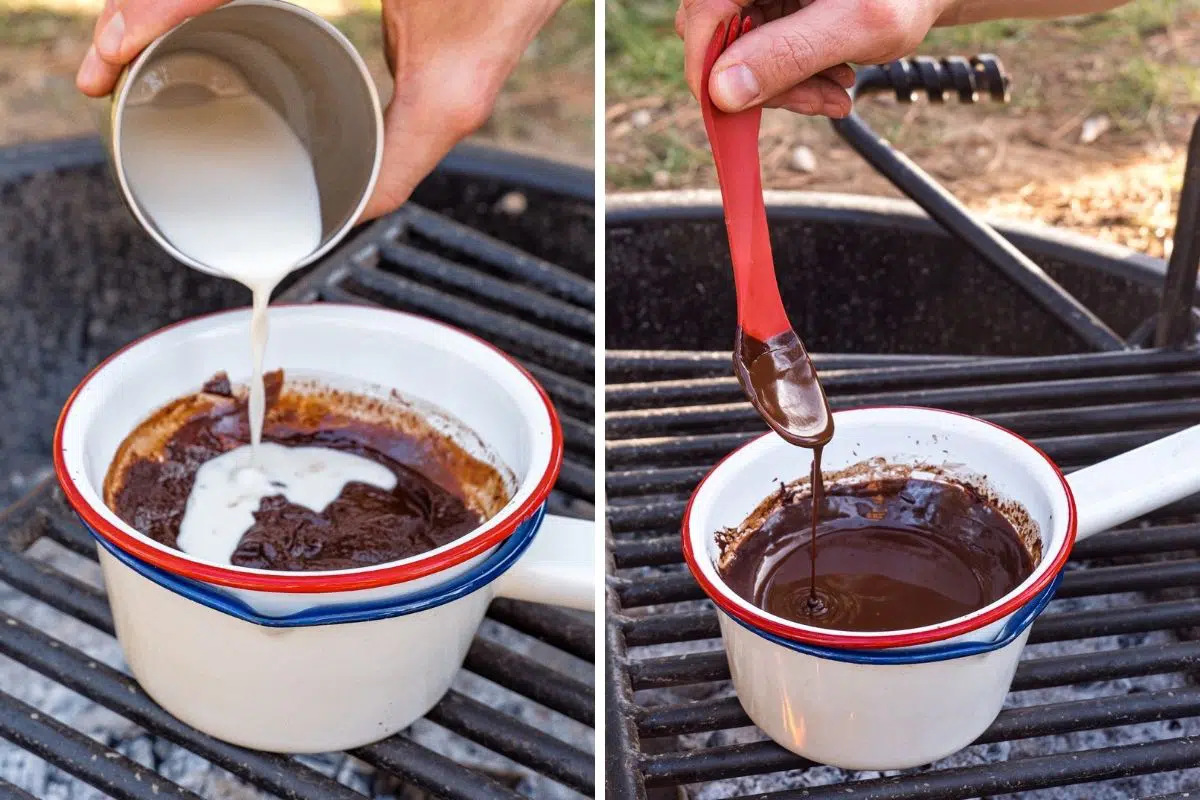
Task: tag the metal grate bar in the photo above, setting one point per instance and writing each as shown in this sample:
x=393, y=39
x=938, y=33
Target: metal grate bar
x=741, y=417
x=525, y=676
x=648, y=552
x=571, y=632
x=573, y=395
x=83, y=757
x=1138, y=541
x=1115, y=621
x=664, y=672
x=1104, y=665
x=521, y=338
x=668, y=671
x=652, y=481
x=1130, y=578
x=1013, y=723
x=501, y=255
x=637, y=365
x=765, y=757
x=1096, y=391
x=63, y=592
x=430, y=771
x=842, y=371
x=423, y=265
x=514, y=739
x=112, y=689
x=1040, y=772
x=10, y=792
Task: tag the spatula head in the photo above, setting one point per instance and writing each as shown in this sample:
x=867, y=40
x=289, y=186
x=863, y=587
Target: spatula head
x=780, y=381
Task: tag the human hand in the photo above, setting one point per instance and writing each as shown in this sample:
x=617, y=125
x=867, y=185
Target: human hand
x=796, y=56
x=449, y=61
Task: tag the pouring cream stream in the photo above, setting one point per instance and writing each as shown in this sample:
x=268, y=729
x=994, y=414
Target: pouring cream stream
x=226, y=180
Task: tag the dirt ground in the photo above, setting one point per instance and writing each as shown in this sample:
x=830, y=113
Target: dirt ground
x=547, y=106
x=1131, y=76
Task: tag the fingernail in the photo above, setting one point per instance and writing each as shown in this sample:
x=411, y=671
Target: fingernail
x=735, y=87
x=108, y=43
x=89, y=70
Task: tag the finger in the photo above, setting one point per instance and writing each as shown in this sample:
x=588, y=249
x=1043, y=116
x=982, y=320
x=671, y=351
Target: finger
x=781, y=54
x=96, y=77
x=817, y=96
x=136, y=23
x=842, y=75
x=701, y=18
x=415, y=139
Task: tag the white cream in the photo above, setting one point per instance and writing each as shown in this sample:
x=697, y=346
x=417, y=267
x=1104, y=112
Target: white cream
x=229, y=489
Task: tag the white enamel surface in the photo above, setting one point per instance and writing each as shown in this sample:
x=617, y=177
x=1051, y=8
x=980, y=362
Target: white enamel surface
x=293, y=690
x=558, y=568
x=867, y=717
x=1137, y=482
x=963, y=446
x=345, y=347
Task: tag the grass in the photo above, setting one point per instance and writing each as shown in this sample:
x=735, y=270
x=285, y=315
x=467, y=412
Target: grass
x=28, y=27
x=644, y=57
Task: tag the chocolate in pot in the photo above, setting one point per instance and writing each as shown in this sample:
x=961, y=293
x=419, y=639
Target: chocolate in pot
x=895, y=553
x=441, y=492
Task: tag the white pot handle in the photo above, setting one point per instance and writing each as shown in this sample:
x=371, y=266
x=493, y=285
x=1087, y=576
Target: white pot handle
x=1136, y=483
x=559, y=568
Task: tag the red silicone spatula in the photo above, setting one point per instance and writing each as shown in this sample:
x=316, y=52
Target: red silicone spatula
x=769, y=359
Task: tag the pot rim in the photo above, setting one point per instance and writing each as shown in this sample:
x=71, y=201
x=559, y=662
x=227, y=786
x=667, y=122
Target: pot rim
x=850, y=640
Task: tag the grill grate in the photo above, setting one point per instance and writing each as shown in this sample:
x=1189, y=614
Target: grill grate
x=1114, y=649
x=539, y=657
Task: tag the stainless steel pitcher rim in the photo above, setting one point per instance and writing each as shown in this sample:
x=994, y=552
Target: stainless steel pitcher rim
x=118, y=109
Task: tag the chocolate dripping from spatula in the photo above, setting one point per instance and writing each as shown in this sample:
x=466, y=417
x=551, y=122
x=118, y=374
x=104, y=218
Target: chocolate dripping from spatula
x=769, y=359
x=781, y=383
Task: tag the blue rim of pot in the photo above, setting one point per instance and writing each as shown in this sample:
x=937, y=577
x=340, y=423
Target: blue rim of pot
x=495, y=565
x=1014, y=627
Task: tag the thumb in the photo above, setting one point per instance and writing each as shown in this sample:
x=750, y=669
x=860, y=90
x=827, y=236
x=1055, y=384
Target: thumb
x=418, y=133
x=774, y=57
x=137, y=23
x=696, y=22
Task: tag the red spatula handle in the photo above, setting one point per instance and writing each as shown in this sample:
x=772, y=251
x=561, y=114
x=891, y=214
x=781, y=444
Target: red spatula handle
x=734, y=140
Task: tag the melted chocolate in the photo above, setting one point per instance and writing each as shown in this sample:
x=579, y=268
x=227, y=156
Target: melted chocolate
x=895, y=554
x=780, y=381
x=364, y=526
